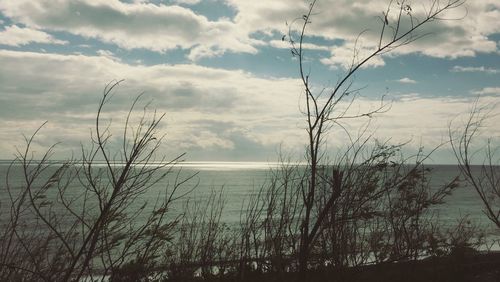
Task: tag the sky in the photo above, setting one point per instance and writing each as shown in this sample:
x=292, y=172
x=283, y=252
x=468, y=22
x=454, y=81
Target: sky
x=226, y=80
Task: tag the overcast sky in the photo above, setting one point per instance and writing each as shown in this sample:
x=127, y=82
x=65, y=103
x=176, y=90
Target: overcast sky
x=226, y=81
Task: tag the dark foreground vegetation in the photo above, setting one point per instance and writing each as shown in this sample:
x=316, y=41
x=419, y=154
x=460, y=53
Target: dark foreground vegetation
x=466, y=267
x=365, y=214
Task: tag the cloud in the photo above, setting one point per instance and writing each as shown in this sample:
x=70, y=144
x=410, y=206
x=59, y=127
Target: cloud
x=464, y=37
x=284, y=44
x=108, y=54
x=215, y=112
x=16, y=36
x=349, y=55
x=132, y=25
x=406, y=80
x=188, y=2
x=423, y=121
x=487, y=91
x=475, y=69
x=160, y=27
x=64, y=90
x=211, y=113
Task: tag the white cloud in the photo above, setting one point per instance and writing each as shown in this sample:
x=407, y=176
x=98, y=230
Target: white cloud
x=284, y=44
x=422, y=121
x=211, y=113
x=347, y=56
x=131, y=25
x=108, y=54
x=406, y=80
x=475, y=69
x=213, y=109
x=487, y=91
x=206, y=107
x=16, y=36
x=160, y=28
x=345, y=19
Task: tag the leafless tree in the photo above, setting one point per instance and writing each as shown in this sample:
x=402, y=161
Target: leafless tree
x=484, y=178
x=86, y=217
x=323, y=111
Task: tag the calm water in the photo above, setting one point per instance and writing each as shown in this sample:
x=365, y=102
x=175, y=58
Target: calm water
x=239, y=180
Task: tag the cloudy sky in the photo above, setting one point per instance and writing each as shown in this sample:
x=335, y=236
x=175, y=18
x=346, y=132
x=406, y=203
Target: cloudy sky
x=225, y=79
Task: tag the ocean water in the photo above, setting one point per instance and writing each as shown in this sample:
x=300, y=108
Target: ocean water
x=239, y=180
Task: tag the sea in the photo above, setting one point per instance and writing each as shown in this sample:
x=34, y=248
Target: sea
x=238, y=181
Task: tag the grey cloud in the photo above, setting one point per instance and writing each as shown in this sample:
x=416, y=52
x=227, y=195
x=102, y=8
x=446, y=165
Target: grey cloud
x=211, y=113
x=131, y=25
x=34, y=83
x=345, y=20
x=206, y=108
x=189, y=96
x=243, y=148
x=161, y=27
